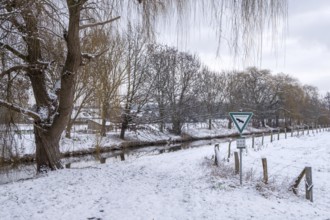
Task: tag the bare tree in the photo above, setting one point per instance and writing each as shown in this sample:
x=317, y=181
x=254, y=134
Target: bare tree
x=136, y=75
x=182, y=80
x=28, y=22
x=312, y=111
x=109, y=77
x=212, y=93
x=327, y=101
x=24, y=26
x=161, y=62
x=261, y=94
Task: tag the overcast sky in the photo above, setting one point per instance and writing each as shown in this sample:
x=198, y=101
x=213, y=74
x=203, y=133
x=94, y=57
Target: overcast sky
x=304, y=53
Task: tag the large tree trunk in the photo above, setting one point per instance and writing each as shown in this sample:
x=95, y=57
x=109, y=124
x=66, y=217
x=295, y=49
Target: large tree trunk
x=47, y=151
x=48, y=130
x=176, y=126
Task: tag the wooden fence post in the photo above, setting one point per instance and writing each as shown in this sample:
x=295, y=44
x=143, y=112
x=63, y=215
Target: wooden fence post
x=285, y=133
x=309, y=184
x=68, y=165
x=265, y=169
x=308, y=130
x=294, y=187
x=236, y=162
x=122, y=156
x=298, y=131
x=216, y=150
x=102, y=160
x=271, y=136
x=292, y=131
x=252, y=140
x=278, y=134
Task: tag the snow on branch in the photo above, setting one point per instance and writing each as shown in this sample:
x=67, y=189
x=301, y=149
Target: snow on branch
x=89, y=57
x=14, y=51
x=98, y=23
x=21, y=110
x=39, y=65
x=13, y=69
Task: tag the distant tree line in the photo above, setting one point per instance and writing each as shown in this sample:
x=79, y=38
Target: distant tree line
x=186, y=91
x=135, y=83
x=138, y=83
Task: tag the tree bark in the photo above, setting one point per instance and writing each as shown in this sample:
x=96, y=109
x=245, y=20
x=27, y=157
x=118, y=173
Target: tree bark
x=47, y=151
x=176, y=126
x=124, y=126
x=103, y=132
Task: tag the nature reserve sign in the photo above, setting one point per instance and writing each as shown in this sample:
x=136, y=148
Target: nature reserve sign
x=240, y=119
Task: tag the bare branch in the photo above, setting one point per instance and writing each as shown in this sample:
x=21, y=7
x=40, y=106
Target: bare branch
x=21, y=110
x=91, y=57
x=13, y=69
x=98, y=23
x=39, y=65
x=14, y=51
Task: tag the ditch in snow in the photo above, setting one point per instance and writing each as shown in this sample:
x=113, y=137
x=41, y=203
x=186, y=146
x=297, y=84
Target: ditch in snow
x=28, y=171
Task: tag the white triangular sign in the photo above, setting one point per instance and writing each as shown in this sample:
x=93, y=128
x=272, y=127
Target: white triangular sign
x=241, y=119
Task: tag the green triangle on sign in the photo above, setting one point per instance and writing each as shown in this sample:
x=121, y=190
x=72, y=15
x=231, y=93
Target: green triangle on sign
x=241, y=119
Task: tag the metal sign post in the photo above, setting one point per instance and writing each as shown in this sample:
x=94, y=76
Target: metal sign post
x=241, y=119
x=240, y=145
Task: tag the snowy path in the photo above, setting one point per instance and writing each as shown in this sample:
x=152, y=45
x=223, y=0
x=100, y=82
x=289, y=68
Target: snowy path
x=179, y=185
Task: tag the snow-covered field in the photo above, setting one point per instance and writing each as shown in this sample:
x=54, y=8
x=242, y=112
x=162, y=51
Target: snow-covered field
x=181, y=185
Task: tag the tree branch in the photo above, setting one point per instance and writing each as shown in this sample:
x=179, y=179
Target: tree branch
x=14, y=51
x=21, y=110
x=13, y=69
x=90, y=57
x=98, y=23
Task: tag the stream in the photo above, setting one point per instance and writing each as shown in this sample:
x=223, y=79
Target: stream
x=28, y=171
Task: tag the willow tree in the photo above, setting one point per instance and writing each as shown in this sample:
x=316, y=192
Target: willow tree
x=27, y=25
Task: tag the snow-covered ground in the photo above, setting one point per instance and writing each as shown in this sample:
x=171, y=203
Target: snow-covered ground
x=181, y=185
